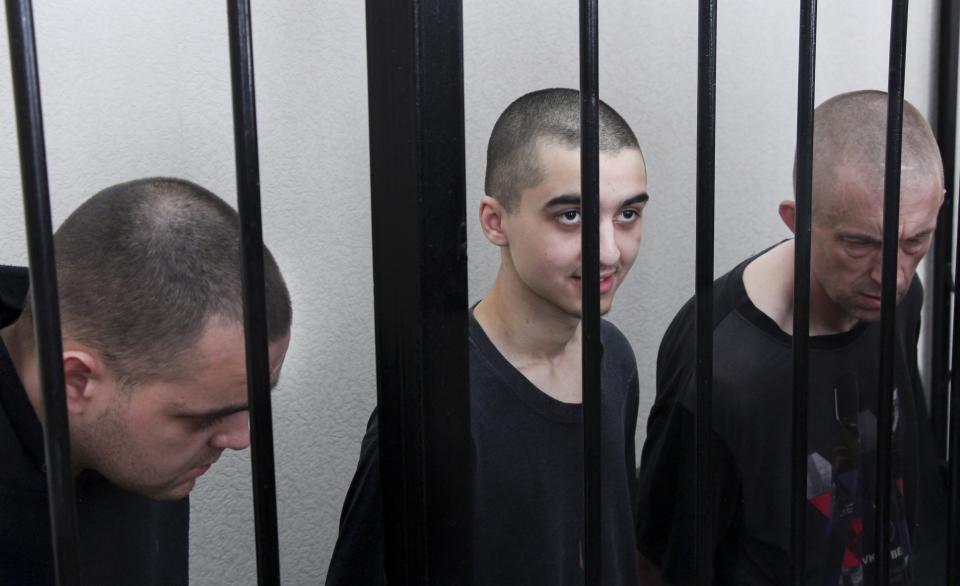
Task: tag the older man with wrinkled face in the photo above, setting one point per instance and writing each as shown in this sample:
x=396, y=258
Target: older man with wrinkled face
x=154, y=364
x=753, y=327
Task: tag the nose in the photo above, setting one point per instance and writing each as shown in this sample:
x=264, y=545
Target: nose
x=876, y=270
x=234, y=434
x=609, y=251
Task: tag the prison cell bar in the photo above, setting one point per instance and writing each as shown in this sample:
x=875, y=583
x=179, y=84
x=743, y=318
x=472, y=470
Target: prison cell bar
x=953, y=530
x=254, y=298
x=888, y=294
x=946, y=379
x=706, y=181
x=43, y=285
x=942, y=286
x=418, y=206
x=801, y=289
x=592, y=349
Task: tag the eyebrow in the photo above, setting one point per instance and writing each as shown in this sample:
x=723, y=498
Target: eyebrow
x=228, y=410
x=574, y=199
x=221, y=412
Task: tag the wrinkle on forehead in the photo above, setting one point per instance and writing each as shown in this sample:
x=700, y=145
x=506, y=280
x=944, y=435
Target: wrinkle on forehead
x=856, y=194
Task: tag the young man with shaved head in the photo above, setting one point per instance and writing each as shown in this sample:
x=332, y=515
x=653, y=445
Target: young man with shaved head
x=153, y=356
x=753, y=325
x=525, y=362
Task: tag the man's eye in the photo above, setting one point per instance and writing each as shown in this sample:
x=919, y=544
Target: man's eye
x=207, y=422
x=914, y=244
x=628, y=215
x=569, y=217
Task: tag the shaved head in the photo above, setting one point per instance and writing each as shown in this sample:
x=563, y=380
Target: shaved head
x=544, y=117
x=849, y=149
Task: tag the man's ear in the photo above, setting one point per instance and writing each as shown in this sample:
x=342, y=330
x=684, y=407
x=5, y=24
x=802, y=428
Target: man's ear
x=492, y=214
x=84, y=376
x=788, y=213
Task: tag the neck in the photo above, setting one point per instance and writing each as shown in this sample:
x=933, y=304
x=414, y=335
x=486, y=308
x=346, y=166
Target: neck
x=769, y=281
x=524, y=327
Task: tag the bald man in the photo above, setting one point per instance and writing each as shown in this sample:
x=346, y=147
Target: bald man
x=753, y=326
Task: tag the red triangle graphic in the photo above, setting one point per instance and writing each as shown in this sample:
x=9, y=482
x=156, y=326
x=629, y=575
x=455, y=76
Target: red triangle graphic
x=850, y=560
x=822, y=503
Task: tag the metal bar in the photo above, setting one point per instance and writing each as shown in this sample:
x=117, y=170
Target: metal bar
x=888, y=295
x=943, y=242
x=801, y=292
x=418, y=204
x=706, y=181
x=946, y=378
x=254, y=297
x=953, y=534
x=43, y=284
x=592, y=349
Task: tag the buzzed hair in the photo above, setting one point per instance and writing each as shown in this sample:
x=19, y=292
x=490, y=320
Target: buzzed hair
x=548, y=116
x=143, y=266
x=850, y=136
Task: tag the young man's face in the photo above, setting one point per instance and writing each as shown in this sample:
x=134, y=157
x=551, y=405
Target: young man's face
x=156, y=439
x=846, y=252
x=543, y=229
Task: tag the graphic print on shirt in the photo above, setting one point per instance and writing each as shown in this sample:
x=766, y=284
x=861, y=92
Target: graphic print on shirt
x=836, y=493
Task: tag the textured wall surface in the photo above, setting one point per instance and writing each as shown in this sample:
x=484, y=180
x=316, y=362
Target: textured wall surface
x=135, y=89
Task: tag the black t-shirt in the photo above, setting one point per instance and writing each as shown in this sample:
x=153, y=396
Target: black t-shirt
x=752, y=422
x=528, y=479
x=125, y=539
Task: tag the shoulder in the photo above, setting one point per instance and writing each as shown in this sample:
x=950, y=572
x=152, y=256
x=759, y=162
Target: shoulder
x=616, y=347
x=680, y=336
x=14, y=283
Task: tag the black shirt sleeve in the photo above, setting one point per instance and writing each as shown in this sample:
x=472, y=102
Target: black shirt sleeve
x=666, y=521
x=358, y=557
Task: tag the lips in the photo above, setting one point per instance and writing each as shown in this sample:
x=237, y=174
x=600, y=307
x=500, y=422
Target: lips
x=606, y=281
x=198, y=471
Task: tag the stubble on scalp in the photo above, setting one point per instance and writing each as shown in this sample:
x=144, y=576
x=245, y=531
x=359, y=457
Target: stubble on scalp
x=850, y=149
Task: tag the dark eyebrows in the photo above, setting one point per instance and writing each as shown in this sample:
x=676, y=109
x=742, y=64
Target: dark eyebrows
x=220, y=413
x=569, y=199
x=574, y=200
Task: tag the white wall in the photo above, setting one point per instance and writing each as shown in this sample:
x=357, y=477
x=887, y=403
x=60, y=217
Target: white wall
x=134, y=89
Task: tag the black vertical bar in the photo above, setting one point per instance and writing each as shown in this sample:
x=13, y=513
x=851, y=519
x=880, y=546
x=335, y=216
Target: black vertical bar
x=592, y=349
x=254, y=298
x=801, y=290
x=943, y=243
x=888, y=295
x=43, y=284
x=953, y=534
x=706, y=181
x=418, y=203
x=946, y=378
